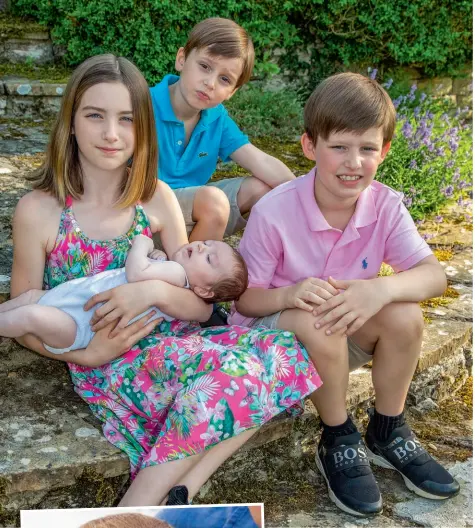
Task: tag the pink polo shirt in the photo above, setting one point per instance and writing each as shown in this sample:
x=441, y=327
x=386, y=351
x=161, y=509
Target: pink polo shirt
x=287, y=239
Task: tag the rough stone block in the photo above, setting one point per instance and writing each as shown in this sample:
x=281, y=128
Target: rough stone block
x=462, y=86
x=3, y=105
x=33, y=106
x=20, y=51
x=437, y=86
x=460, y=268
x=25, y=87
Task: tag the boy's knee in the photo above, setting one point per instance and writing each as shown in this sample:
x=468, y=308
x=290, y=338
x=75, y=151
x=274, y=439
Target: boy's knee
x=317, y=343
x=404, y=318
x=211, y=204
x=257, y=189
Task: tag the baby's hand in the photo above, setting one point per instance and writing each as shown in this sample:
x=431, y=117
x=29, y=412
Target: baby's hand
x=143, y=241
x=157, y=254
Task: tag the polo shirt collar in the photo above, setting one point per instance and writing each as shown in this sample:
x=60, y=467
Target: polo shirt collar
x=165, y=108
x=365, y=212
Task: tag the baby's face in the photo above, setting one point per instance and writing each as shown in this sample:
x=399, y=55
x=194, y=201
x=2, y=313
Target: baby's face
x=205, y=262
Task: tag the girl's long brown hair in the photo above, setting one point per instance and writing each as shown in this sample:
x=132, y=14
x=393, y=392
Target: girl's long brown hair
x=61, y=173
x=126, y=520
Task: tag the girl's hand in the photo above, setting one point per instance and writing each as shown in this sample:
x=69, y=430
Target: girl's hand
x=103, y=348
x=350, y=309
x=124, y=303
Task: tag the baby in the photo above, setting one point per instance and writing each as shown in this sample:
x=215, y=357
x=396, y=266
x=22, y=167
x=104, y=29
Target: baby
x=213, y=270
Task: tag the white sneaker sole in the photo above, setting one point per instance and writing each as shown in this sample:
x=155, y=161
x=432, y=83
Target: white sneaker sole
x=378, y=460
x=335, y=499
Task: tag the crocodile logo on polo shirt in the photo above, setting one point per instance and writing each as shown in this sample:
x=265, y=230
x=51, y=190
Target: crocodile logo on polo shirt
x=202, y=154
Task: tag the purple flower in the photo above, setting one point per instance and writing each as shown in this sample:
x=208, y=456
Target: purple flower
x=397, y=101
x=407, y=130
x=407, y=201
x=460, y=202
x=450, y=164
x=440, y=152
x=413, y=164
x=373, y=73
x=413, y=88
x=423, y=97
x=417, y=111
x=448, y=191
x=462, y=184
x=412, y=97
x=453, y=145
x=439, y=219
x=388, y=84
x=456, y=175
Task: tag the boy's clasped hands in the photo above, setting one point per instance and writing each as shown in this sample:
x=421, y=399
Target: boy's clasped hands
x=343, y=306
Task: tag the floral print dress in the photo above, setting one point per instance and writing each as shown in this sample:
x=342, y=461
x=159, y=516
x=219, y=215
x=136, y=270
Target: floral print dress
x=182, y=389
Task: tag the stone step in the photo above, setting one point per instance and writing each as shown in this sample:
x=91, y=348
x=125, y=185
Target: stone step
x=20, y=96
x=51, y=445
x=23, y=41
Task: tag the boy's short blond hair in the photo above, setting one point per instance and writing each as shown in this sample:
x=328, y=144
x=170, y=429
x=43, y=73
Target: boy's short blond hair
x=223, y=37
x=349, y=102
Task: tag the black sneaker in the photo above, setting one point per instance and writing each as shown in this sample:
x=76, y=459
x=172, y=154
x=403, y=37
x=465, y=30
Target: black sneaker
x=351, y=483
x=403, y=452
x=178, y=495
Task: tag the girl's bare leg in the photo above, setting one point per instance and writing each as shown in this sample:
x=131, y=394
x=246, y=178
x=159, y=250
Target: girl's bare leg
x=52, y=326
x=210, y=462
x=152, y=484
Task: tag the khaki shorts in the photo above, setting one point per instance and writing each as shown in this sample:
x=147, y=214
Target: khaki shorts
x=230, y=187
x=357, y=356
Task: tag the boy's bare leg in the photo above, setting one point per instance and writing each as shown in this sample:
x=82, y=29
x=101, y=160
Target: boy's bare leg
x=52, y=326
x=211, y=213
x=395, y=335
x=26, y=298
x=251, y=191
x=329, y=354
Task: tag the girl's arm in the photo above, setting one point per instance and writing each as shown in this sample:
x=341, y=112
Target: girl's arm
x=167, y=219
x=33, y=230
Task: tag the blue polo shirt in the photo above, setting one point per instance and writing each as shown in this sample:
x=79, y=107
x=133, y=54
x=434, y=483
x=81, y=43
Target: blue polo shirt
x=209, y=517
x=215, y=136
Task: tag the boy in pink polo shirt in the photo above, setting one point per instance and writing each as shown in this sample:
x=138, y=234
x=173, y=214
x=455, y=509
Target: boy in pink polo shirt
x=314, y=247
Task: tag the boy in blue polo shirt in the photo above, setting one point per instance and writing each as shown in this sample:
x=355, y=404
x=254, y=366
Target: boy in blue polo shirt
x=194, y=130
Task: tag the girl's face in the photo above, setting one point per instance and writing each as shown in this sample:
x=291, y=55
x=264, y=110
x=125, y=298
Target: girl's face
x=104, y=128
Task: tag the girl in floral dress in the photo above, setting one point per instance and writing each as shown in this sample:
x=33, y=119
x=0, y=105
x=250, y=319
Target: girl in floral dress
x=177, y=399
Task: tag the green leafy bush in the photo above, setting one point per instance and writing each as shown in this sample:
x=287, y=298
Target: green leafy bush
x=317, y=37
x=259, y=113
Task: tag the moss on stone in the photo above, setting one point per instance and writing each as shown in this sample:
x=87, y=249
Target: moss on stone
x=54, y=74
x=17, y=27
x=93, y=489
